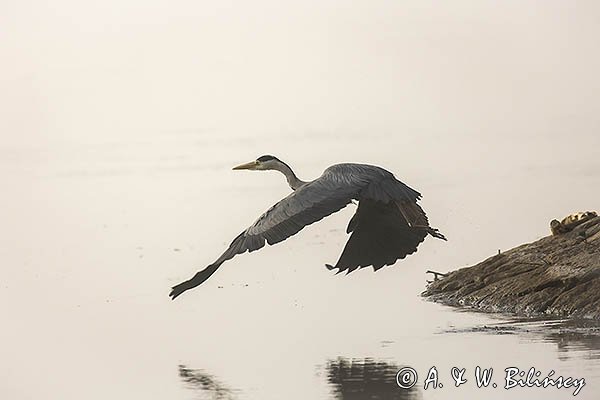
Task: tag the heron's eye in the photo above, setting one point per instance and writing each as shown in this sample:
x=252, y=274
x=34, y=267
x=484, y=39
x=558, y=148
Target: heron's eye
x=265, y=158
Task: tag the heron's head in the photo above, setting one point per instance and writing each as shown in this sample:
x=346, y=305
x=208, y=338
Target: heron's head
x=261, y=164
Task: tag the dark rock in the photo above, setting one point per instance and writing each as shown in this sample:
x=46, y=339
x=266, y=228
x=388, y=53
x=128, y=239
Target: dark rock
x=556, y=275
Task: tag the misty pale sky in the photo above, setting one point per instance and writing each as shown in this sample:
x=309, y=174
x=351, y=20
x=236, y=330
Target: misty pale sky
x=466, y=70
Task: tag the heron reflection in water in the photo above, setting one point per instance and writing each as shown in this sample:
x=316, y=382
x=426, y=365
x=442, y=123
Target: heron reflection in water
x=347, y=379
x=387, y=226
x=363, y=379
x=206, y=383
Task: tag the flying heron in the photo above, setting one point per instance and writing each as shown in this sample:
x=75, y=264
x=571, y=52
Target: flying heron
x=387, y=226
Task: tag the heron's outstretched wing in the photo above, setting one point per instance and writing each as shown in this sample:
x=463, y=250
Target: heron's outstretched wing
x=311, y=202
x=380, y=236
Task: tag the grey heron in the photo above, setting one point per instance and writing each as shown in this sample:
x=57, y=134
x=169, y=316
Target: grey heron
x=387, y=226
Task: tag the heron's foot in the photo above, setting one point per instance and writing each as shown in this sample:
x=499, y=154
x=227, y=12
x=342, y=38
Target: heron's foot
x=432, y=231
x=436, y=233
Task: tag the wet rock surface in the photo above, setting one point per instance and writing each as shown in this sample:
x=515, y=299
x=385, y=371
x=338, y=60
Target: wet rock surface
x=556, y=275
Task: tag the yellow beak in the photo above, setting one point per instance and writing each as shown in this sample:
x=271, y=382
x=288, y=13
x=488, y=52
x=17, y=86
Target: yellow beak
x=250, y=165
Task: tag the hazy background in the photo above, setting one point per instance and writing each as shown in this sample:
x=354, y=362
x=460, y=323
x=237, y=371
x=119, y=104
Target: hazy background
x=120, y=123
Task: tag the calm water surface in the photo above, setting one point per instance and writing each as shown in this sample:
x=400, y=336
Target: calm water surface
x=98, y=232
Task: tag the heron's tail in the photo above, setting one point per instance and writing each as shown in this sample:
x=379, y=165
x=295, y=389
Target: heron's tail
x=199, y=278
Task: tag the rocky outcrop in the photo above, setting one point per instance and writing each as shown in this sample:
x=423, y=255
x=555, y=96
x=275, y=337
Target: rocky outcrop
x=557, y=275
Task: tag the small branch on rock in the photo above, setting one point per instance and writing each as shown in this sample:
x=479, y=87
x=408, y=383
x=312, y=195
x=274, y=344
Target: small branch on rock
x=436, y=275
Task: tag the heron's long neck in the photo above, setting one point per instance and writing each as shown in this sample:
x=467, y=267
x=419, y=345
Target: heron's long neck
x=292, y=179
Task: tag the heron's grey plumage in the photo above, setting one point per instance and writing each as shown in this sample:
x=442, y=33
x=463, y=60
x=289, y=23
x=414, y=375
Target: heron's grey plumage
x=387, y=226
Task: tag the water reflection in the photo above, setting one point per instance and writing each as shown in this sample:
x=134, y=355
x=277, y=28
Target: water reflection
x=366, y=379
x=569, y=335
x=576, y=336
x=207, y=384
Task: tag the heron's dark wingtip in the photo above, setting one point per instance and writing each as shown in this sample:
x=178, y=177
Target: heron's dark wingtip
x=331, y=268
x=175, y=292
x=196, y=280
